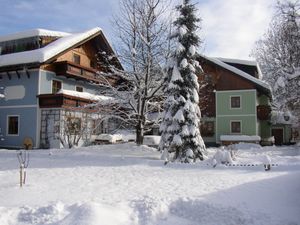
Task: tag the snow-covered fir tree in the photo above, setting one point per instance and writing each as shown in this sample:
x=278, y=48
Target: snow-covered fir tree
x=181, y=139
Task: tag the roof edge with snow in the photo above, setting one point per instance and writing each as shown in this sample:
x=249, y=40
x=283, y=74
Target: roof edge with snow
x=238, y=61
x=240, y=73
x=48, y=52
x=32, y=33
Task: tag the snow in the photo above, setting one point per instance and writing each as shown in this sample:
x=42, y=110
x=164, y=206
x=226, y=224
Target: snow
x=32, y=33
x=280, y=83
x=177, y=140
x=180, y=48
x=243, y=62
x=238, y=61
x=151, y=140
x=176, y=75
x=2, y=96
x=179, y=116
x=280, y=117
x=101, y=98
x=239, y=138
x=129, y=185
x=295, y=74
x=238, y=72
x=133, y=51
x=182, y=30
x=111, y=138
x=192, y=49
x=43, y=54
x=222, y=156
x=184, y=63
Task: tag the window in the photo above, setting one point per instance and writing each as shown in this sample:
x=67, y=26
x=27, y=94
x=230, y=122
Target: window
x=207, y=129
x=76, y=58
x=13, y=125
x=235, y=127
x=79, y=89
x=235, y=102
x=56, y=86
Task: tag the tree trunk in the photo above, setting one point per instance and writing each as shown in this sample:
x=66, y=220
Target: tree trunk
x=139, y=133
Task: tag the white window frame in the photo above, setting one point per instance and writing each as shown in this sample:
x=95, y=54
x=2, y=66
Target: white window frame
x=231, y=121
x=230, y=106
x=7, y=125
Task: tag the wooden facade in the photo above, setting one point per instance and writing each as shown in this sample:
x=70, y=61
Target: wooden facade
x=217, y=78
x=86, y=69
x=62, y=101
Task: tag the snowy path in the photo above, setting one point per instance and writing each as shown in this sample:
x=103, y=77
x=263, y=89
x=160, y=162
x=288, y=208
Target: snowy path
x=125, y=186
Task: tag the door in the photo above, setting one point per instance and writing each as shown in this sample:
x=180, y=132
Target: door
x=278, y=135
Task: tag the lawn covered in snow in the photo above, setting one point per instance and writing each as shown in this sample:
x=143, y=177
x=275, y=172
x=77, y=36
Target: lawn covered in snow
x=127, y=185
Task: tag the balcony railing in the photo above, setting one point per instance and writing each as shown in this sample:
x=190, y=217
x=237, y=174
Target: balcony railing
x=75, y=71
x=61, y=101
x=263, y=112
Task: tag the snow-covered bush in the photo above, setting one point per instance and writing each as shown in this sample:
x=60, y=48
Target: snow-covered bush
x=222, y=156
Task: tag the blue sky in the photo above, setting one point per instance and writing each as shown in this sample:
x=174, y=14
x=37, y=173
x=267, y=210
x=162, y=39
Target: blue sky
x=230, y=27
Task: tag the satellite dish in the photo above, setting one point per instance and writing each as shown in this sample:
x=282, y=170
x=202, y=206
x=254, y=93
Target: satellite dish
x=27, y=143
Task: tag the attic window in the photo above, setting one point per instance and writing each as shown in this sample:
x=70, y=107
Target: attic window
x=76, y=58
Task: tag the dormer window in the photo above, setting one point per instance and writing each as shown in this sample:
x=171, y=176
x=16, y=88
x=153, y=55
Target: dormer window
x=76, y=58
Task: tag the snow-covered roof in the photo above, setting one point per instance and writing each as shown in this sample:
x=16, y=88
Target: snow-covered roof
x=32, y=33
x=43, y=54
x=239, y=72
x=86, y=95
x=238, y=61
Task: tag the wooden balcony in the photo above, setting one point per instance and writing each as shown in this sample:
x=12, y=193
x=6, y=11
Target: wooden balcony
x=263, y=112
x=75, y=71
x=61, y=101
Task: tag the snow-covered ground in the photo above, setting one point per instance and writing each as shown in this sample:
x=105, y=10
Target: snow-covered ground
x=125, y=184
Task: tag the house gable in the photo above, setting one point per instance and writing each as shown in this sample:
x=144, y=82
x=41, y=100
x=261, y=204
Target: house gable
x=239, y=76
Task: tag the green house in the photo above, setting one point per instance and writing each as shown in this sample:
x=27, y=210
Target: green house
x=235, y=104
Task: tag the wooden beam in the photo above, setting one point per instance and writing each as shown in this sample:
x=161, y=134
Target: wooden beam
x=18, y=74
x=8, y=74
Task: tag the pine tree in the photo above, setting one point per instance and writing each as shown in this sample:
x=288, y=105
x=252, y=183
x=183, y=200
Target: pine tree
x=181, y=139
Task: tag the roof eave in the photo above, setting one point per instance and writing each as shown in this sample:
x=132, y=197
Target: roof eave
x=53, y=58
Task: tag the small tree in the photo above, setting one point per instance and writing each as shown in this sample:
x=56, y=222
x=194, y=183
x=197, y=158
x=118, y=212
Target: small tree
x=181, y=139
x=72, y=130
